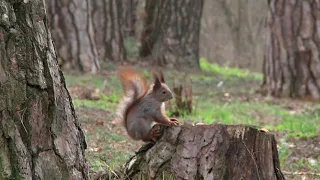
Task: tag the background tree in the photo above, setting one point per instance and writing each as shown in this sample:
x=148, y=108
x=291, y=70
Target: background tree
x=40, y=136
x=107, y=25
x=171, y=32
x=292, y=65
x=233, y=33
x=73, y=35
x=128, y=16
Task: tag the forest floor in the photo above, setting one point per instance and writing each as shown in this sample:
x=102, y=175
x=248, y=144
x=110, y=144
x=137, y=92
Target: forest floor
x=220, y=94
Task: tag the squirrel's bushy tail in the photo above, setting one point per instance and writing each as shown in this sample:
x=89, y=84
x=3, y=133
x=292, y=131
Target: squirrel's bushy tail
x=134, y=86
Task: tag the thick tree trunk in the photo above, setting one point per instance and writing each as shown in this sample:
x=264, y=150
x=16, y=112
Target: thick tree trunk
x=72, y=32
x=206, y=152
x=107, y=25
x=40, y=137
x=171, y=33
x=128, y=17
x=292, y=61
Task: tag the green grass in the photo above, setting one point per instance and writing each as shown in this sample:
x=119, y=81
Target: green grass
x=304, y=163
x=275, y=118
x=87, y=80
x=83, y=103
x=302, y=125
x=104, y=102
x=283, y=150
x=227, y=71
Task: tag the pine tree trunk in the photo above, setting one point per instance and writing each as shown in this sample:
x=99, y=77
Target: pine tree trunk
x=171, y=33
x=128, y=17
x=72, y=32
x=208, y=152
x=40, y=137
x=107, y=25
x=292, y=64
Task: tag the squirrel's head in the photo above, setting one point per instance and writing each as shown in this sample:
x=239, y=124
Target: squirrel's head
x=160, y=89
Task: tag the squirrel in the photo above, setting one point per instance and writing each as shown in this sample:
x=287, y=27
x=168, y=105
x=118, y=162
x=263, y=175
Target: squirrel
x=142, y=107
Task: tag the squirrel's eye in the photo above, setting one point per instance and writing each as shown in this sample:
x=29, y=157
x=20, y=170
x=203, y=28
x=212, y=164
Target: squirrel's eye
x=163, y=92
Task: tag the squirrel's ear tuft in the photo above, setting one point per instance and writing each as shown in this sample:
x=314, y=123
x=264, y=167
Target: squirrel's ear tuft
x=161, y=77
x=157, y=83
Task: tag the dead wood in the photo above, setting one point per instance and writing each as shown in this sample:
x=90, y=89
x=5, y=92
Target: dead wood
x=183, y=98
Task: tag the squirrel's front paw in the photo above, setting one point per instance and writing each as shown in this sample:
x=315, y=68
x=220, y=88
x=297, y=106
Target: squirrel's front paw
x=174, y=122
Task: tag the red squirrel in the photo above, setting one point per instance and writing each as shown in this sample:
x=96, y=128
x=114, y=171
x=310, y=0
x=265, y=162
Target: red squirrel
x=142, y=107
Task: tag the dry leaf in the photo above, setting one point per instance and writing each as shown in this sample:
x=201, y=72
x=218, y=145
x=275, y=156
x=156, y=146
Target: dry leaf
x=115, y=122
x=99, y=123
x=95, y=149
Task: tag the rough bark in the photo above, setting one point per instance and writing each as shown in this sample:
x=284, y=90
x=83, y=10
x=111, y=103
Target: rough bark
x=107, y=25
x=72, y=32
x=292, y=61
x=207, y=152
x=40, y=136
x=171, y=32
x=128, y=17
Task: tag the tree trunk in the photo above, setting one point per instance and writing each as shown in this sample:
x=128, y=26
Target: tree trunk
x=171, y=33
x=107, y=16
x=292, y=64
x=72, y=32
x=40, y=136
x=207, y=152
x=128, y=17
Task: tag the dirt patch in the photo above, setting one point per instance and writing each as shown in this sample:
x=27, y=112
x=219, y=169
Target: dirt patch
x=307, y=149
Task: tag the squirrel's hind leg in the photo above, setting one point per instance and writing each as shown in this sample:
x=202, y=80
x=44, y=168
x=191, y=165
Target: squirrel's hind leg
x=153, y=134
x=139, y=128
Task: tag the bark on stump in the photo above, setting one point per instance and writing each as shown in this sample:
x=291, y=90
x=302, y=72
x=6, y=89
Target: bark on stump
x=207, y=152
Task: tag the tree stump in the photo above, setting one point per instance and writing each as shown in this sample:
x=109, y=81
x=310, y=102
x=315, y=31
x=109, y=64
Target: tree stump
x=207, y=152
